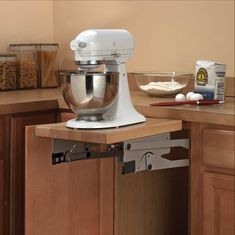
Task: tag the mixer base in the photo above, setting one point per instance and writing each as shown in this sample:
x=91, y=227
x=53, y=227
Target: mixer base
x=103, y=124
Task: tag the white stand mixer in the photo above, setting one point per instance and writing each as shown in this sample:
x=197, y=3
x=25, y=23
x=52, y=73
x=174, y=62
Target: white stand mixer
x=112, y=48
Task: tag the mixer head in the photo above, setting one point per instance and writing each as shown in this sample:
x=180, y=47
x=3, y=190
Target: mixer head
x=102, y=46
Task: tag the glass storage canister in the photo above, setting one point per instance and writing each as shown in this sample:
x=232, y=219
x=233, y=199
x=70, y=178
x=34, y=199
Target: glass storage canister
x=49, y=64
x=27, y=65
x=8, y=72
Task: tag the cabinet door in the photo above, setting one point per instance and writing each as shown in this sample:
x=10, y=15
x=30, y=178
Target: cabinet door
x=1, y=196
x=18, y=124
x=66, y=199
x=218, y=204
x=4, y=176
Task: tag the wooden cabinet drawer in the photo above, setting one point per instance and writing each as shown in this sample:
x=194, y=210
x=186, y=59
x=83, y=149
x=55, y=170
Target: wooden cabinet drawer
x=218, y=148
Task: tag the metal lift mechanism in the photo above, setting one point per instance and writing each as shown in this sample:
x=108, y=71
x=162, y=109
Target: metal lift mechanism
x=137, y=155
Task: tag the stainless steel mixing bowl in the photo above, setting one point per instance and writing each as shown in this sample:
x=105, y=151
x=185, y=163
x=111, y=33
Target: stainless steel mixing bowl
x=89, y=94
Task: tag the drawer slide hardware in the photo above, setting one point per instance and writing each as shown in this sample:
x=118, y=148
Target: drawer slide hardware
x=137, y=155
x=147, y=153
x=68, y=151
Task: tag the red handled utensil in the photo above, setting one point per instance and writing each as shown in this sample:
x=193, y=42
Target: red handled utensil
x=192, y=102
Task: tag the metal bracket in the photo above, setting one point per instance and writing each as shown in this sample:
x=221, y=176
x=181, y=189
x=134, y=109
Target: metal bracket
x=68, y=151
x=136, y=155
x=147, y=153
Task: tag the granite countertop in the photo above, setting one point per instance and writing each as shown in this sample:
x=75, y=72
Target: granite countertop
x=41, y=99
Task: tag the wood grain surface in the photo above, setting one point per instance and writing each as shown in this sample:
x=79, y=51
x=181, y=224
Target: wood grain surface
x=2, y=189
x=108, y=136
x=217, y=137
x=218, y=214
x=222, y=114
x=218, y=148
x=4, y=175
x=28, y=100
x=152, y=202
x=17, y=167
x=66, y=199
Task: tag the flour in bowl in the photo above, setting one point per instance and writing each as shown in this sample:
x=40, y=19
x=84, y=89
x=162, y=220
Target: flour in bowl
x=164, y=86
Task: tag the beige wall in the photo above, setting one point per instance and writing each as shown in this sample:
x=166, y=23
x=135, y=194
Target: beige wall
x=25, y=21
x=169, y=35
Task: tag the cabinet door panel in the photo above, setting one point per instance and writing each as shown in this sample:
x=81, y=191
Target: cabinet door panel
x=1, y=196
x=4, y=175
x=218, y=204
x=66, y=199
x=4, y=137
x=18, y=124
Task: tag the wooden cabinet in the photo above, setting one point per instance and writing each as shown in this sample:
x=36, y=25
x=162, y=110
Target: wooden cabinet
x=218, y=204
x=12, y=141
x=72, y=199
x=152, y=202
x=2, y=197
x=90, y=197
x=17, y=140
x=218, y=189
x=96, y=189
x=4, y=174
x=212, y=180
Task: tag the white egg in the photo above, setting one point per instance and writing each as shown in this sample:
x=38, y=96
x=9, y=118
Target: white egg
x=196, y=97
x=189, y=94
x=180, y=97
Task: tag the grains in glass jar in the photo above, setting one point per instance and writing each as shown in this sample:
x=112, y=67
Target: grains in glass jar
x=8, y=72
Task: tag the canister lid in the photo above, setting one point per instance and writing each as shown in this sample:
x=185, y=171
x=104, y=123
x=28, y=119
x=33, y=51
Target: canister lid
x=7, y=55
x=33, y=44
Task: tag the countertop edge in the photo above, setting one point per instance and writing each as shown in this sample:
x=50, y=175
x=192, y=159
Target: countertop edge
x=28, y=106
x=205, y=117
